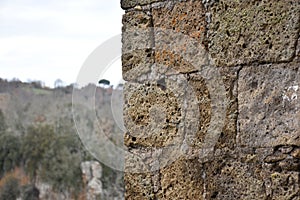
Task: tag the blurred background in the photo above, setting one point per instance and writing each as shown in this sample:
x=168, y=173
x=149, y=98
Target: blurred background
x=43, y=45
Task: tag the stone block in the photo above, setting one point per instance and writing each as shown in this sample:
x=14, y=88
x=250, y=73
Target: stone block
x=229, y=178
x=192, y=107
x=247, y=174
x=269, y=105
x=212, y=123
x=138, y=186
x=137, y=45
x=283, y=159
x=180, y=179
x=126, y=4
x=179, y=31
x=281, y=172
x=152, y=114
x=284, y=185
x=243, y=32
x=183, y=179
x=186, y=17
x=141, y=172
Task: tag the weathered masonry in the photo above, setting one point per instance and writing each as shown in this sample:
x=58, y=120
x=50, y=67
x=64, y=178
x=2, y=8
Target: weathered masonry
x=212, y=99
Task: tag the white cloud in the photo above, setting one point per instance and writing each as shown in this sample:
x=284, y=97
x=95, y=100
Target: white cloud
x=51, y=40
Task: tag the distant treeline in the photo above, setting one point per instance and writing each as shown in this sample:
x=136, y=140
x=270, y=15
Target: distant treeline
x=57, y=84
x=34, y=84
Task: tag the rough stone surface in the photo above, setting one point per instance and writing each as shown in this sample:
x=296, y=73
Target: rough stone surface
x=179, y=36
x=183, y=179
x=231, y=179
x=185, y=17
x=297, y=57
x=137, y=39
x=212, y=107
x=228, y=133
x=152, y=114
x=285, y=185
x=155, y=112
x=269, y=105
x=138, y=186
x=246, y=174
x=206, y=123
x=253, y=31
x=125, y=4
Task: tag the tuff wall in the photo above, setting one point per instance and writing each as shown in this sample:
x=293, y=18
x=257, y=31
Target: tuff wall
x=212, y=99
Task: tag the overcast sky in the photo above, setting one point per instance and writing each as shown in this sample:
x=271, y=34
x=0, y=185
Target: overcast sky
x=50, y=39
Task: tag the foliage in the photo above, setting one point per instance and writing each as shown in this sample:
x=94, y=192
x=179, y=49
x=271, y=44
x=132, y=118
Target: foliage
x=111, y=176
x=104, y=82
x=10, y=153
x=10, y=190
x=54, y=155
x=3, y=125
x=17, y=173
x=61, y=165
x=36, y=143
x=30, y=192
x=12, y=184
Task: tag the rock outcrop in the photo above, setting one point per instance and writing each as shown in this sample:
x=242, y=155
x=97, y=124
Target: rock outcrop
x=92, y=173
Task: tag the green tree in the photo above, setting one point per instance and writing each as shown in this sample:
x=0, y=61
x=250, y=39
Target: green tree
x=54, y=156
x=104, y=82
x=3, y=125
x=61, y=164
x=10, y=153
x=36, y=143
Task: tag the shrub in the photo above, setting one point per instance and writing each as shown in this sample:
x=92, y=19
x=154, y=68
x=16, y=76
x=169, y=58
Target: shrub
x=10, y=190
x=10, y=153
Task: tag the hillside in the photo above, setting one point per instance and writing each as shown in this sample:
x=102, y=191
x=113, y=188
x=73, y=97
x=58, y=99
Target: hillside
x=49, y=152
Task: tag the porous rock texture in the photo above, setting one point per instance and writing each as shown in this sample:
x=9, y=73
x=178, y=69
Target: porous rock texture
x=212, y=99
x=253, y=31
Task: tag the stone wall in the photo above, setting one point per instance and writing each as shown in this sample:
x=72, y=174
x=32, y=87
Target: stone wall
x=212, y=99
